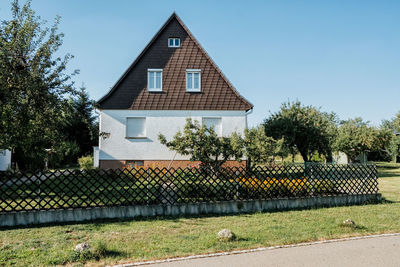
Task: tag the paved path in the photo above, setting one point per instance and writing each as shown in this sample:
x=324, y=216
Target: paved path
x=376, y=251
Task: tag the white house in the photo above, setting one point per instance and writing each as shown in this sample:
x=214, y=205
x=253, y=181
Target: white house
x=172, y=79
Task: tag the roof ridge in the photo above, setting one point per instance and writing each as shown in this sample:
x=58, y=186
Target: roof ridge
x=242, y=98
x=142, y=53
x=173, y=15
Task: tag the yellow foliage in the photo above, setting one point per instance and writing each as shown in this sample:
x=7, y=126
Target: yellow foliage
x=254, y=183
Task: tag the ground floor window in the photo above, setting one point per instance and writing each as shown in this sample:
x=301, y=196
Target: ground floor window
x=134, y=164
x=136, y=127
x=215, y=123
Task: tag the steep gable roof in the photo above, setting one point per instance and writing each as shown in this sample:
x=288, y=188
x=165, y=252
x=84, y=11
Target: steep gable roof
x=130, y=91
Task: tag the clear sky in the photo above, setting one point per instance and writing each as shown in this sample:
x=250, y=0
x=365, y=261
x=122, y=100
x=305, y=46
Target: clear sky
x=342, y=56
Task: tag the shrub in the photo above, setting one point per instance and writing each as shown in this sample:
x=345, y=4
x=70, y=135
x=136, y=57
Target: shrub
x=86, y=163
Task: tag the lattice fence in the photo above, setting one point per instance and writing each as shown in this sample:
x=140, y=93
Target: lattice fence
x=98, y=188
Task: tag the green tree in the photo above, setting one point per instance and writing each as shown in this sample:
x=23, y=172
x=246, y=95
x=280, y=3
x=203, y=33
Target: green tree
x=202, y=144
x=258, y=147
x=79, y=123
x=393, y=126
x=303, y=128
x=355, y=136
x=33, y=85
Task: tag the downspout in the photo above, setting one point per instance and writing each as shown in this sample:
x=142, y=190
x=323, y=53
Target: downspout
x=247, y=159
x=98, y=117
x=98, y=140
x=248, y=113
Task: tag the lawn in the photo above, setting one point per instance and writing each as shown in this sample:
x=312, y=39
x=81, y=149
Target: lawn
x=134, y=240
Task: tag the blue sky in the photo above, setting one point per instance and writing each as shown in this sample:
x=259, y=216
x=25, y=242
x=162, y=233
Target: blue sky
x=342, y=56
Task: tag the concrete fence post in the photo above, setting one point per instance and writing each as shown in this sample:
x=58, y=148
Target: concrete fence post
x=38, y=191
x=312, y=180
x=148, y=185
x=237, y=184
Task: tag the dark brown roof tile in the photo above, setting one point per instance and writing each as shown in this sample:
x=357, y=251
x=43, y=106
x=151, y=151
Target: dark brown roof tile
x=130, y=92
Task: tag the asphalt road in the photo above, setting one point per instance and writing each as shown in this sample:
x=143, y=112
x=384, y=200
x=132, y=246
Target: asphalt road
x=376, y=251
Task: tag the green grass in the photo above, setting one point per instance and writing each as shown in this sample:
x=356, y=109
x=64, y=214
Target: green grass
x=134, y=240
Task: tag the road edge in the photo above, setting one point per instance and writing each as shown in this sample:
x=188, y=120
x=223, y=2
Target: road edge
x=234, y=252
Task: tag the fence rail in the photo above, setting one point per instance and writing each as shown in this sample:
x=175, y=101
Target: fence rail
x=124, y=187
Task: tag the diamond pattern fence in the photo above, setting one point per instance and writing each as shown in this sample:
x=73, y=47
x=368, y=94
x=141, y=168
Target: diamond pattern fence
x=123, y=187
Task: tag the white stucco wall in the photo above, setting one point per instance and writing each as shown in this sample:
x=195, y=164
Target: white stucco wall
x=5, y=159
x=167, y=122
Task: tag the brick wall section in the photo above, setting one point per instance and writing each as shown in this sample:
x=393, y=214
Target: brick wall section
x=118, y=164
x=111, y=164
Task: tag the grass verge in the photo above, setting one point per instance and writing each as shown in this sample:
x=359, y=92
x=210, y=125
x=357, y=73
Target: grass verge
x=134, y=240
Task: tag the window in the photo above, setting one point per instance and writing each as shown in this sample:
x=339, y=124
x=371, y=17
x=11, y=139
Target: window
x=174, y=42
x=214, y=123
x=154, y=80
x=193, y=80
x=131, y=164
x=136, y=127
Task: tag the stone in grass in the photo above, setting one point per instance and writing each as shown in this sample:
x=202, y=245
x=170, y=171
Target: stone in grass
x=82, y=247
x=348, y=222
x=226, y=235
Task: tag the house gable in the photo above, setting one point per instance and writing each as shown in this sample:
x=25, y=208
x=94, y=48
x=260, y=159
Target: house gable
x=131, y=92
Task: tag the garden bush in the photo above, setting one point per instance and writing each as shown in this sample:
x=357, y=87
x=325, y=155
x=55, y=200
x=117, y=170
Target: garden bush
x=86, y=163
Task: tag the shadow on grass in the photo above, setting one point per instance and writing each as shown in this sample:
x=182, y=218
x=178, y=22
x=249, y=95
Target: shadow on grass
x=113, y=254
x=389, y=174
x=387, y=201
x=238, y=238
x=354, y=226
x=89, y=255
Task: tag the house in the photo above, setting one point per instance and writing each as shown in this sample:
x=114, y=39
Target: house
x=5, y=159
x=172, y=79
x=341, y=158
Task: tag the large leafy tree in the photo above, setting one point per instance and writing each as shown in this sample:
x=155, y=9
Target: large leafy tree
x=202, y=144
x=393, y=126
x=303, y=128
x=33, y=85
x=355, y=136
x=79, y=129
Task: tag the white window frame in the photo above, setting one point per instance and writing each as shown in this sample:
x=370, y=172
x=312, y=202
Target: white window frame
x=174, y=39
x=148, y=80
x=186, y=82
x=219, y=134
x=136, y=137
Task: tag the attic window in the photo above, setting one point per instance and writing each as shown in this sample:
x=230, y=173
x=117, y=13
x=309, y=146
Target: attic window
x=154, y=80
x=174, y=42
x=193, y=80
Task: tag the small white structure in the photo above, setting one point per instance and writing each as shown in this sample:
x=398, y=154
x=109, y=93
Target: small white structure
x=5, y=159
x=341, y=158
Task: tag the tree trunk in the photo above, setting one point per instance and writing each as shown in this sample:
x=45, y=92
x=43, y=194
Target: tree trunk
x=248, y=163
x=18, y=157
x=304, y=156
